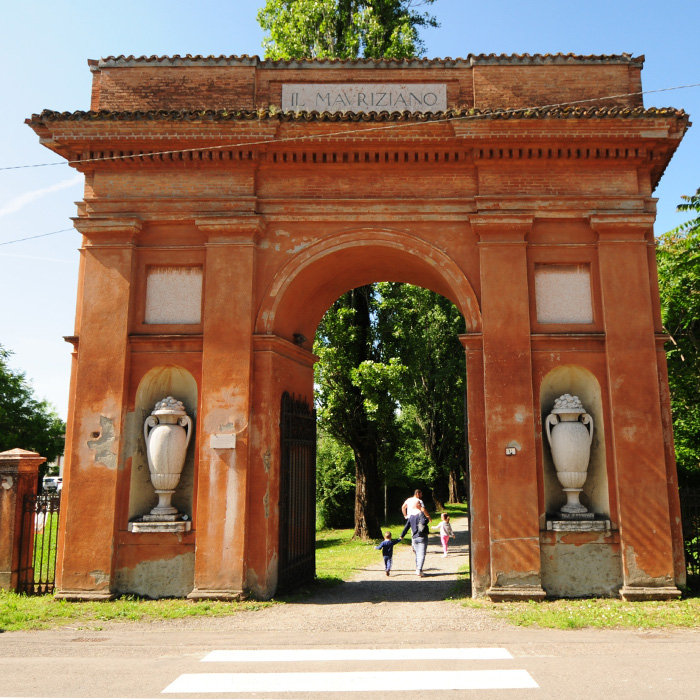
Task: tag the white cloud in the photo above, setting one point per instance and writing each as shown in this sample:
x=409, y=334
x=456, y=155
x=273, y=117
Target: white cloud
x=28, y=197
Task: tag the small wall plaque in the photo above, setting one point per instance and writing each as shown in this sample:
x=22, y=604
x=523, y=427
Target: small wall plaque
x=222, y=442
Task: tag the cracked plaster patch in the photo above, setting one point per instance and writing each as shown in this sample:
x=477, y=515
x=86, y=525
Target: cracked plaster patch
x=103, y=444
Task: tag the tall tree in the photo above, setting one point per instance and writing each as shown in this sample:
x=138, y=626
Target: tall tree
x=343, y=28
x=678, y=258
x=420, y=329
x=25, y=422
x=353, y=394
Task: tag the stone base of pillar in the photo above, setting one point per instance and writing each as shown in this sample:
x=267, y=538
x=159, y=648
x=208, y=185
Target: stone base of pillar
x=84, y=596
x=507, y=594
x=203, y=594
x=630, y=593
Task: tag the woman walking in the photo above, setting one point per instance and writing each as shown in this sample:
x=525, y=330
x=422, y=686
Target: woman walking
x=419, y=531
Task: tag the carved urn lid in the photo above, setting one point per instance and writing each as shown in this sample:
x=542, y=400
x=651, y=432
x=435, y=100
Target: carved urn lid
x=169, y=407
x=567, y=403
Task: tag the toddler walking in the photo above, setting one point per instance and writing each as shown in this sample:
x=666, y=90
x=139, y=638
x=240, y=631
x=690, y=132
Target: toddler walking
x=387, y=547
x=445, y=532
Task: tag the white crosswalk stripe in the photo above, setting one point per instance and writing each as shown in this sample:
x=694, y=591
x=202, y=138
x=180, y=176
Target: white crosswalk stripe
x=352, y=681
x=355, y=682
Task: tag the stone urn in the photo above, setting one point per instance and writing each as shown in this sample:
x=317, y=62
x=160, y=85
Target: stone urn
x=570, y=433
x=167, y=431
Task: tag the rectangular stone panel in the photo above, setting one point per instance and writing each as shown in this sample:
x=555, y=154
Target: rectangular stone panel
x=174, y=295
x=364, y=97
x=563, y=294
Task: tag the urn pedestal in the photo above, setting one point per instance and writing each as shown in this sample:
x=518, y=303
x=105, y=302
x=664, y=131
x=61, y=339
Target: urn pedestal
x=570, y=434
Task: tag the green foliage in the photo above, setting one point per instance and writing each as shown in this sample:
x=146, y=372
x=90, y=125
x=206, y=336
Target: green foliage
x=678, y=258
x=25, y=422
x=335, y=483
x=343, y=28
x=421, y=329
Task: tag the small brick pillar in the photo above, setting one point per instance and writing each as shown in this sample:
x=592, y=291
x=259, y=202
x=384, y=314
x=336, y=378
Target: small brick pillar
x=19, y=475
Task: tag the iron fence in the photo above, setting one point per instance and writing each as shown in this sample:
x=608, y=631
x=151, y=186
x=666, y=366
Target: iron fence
x=690, y=513
x=37, y=546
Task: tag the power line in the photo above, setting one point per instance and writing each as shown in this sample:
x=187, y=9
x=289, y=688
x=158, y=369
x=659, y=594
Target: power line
x=346, y=132
x=41, y=235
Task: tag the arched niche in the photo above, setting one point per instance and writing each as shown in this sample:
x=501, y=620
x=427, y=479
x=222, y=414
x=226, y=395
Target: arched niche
x=156, y=384
x=578, y=381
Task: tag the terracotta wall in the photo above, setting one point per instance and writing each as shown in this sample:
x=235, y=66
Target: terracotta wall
x=220, y=83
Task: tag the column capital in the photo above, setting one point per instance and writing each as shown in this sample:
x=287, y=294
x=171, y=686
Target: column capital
x=232, y=230
x=109, y=230
x=622, y=228
x=472, y=341
x=501, y=228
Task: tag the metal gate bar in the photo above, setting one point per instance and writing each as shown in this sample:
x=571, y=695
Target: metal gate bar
x=38, y=539
x=297, y=506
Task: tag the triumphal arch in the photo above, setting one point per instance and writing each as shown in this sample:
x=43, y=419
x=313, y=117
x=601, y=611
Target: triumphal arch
x=230, y=200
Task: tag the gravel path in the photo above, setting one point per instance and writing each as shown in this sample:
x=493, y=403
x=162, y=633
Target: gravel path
x=384, y=603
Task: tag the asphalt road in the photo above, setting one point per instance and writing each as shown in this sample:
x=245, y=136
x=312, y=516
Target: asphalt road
x=396, y=637
x=168, y=661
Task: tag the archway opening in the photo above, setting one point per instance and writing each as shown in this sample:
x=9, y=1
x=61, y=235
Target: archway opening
x=318, y=278
x=390, y=400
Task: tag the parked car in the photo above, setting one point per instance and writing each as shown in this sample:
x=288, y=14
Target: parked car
x=51, y=483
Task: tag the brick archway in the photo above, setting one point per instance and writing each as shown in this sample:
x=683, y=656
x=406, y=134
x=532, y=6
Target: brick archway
x=307, y=285
x=212, y=235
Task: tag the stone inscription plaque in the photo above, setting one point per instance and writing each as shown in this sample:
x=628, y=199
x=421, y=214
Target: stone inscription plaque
x=364, y=97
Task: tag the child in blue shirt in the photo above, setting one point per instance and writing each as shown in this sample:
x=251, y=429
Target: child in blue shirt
x=387, y=547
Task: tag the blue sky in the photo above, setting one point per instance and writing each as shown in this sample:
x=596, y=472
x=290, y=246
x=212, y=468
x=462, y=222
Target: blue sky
x=45, y=49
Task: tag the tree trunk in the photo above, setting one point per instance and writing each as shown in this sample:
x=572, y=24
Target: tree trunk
x=367, y=495
x=453, y=487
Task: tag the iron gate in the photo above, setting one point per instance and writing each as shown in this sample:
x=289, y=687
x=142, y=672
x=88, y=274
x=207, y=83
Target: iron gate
x=297, y=505
x=37, y=545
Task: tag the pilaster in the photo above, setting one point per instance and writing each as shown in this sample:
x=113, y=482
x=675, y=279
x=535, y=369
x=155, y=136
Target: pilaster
x=94, y=456
x=508, y=407
x=635, y=407
x=479, y=534
x=225, y=404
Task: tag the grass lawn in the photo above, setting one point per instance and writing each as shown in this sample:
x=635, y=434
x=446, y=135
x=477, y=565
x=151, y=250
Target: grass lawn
x=20, y=612
x=601, y=613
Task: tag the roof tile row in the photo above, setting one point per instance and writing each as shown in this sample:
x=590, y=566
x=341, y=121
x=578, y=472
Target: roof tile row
x=469, y=60
x=274, y=113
